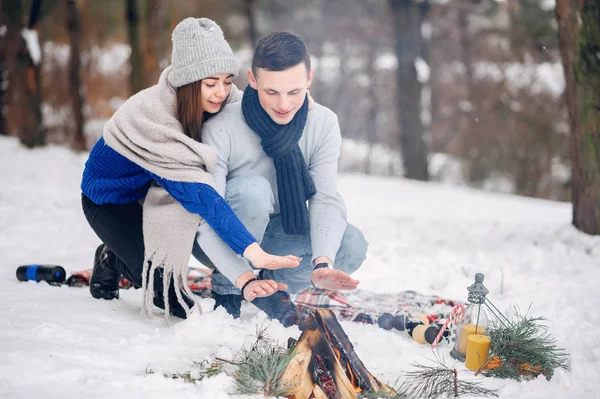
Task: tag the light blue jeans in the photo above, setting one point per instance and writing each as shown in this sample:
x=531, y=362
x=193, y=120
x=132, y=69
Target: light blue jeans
x=251, y=198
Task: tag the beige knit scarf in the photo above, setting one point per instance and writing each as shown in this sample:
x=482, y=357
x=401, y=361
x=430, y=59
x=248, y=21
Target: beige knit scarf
x=146, y=131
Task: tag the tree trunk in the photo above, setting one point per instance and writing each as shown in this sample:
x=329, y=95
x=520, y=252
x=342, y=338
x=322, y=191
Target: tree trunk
x=74, y=30
x=407, y=27
x=579, y=39
x=35, y=72
x=371, y=136
x=4, y=98
x=477, y=172
x=156, y=20
x=136, y=76
x=250, y=11
x=21, y=71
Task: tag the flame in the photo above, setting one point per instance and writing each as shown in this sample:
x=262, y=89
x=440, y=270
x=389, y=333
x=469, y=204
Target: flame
x=327, y=333
x=353, y=379
x=337, y=354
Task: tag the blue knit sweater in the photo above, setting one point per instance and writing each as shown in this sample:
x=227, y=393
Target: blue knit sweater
x=110, y=178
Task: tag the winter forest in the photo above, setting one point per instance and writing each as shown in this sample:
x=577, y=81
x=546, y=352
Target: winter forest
x=469, y=92
x=470, y=144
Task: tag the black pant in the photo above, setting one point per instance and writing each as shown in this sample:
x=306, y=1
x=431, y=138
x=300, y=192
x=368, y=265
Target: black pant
x=120, y=228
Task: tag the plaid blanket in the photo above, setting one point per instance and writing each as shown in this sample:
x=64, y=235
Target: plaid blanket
x=365, y=306
x=357, y=306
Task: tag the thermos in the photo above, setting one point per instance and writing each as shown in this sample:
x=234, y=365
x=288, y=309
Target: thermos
x=49, y=273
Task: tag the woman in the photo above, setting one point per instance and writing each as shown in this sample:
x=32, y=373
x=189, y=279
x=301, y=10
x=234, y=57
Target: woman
x=151, y=150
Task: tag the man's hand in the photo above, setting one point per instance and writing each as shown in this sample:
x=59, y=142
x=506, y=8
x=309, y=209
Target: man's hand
x=333, y=279
x=263, y=260
x=261, y=288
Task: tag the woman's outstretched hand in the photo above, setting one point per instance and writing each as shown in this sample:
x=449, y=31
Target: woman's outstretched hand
x=261, y=288
x=263, y=260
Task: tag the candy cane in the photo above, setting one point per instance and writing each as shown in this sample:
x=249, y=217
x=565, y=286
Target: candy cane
x=455, y=314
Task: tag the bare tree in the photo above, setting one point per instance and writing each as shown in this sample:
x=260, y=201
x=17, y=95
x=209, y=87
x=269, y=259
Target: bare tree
x=4, y=65
x=74, y=30
x=155, y=39
x=407, y=25
x=21, y=58
x=35, y=69
x=136, y=76
x=250, y=11
x=579, y=36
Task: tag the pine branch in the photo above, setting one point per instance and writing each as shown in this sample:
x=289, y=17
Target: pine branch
x=199, y=373
x=440, y=381
x=524, y=349
x=262, y=366
x=382, y=395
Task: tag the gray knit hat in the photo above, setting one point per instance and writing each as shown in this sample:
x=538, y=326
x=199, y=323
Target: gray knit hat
x=199, y=51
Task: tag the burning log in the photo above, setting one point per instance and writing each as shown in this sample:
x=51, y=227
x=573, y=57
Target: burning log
x=325, y=365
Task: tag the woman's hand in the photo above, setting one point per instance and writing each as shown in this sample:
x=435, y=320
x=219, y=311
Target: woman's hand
x=263, y=260
x=258, y=288
x=261, y=288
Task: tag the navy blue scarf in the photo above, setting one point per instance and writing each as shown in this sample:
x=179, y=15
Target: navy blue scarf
x=280, y=142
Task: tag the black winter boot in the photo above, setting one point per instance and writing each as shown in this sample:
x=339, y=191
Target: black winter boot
x=104, y=283
x=279, y=306
x=232, y=303
x=175, y=307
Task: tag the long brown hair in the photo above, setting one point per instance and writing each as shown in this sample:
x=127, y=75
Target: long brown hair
x=189, y=109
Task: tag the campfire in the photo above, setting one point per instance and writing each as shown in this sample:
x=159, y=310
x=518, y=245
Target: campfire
x=325, y=365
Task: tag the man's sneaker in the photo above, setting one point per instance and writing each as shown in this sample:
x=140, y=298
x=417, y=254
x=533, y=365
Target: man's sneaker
x=232, y=303
x=104, y=283
x=279, y=306
x=175, y=307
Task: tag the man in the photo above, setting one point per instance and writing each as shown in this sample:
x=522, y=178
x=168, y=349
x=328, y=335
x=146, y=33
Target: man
x=273, y=155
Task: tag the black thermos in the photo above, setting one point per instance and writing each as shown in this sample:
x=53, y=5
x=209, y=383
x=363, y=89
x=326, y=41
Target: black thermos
x=49, y=273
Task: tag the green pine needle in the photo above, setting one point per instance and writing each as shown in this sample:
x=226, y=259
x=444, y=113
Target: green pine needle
x=525, y=341
x=262, y=366
x=440, y=381
x=202, y=369
x=383, y=395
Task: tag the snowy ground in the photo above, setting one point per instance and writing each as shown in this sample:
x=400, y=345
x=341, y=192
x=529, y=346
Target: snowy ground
x=60, y=342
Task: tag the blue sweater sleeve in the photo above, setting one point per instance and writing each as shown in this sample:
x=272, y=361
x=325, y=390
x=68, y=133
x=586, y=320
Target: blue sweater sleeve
x=205, y=201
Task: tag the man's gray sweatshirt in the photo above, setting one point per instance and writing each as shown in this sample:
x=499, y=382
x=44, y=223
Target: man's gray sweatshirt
x=239, y=152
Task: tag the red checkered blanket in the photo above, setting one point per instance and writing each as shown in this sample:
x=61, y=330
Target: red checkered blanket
x=357, y=306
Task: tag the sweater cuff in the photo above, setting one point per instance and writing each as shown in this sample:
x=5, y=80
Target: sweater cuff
x=240, y=239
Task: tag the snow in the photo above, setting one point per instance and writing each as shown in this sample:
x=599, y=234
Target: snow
x=548, y=4
x=545, y=77
x=59, y=342
x=111, y=60
x=33, y=44
x=329, y=68
x=106, y=60
x=423, y=70
x=386, y=61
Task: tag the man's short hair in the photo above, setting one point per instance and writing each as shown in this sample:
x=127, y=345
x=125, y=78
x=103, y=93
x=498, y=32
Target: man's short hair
x=280, y=51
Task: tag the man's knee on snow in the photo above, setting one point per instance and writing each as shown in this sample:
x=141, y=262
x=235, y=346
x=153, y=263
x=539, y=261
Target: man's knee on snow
x=353, y=250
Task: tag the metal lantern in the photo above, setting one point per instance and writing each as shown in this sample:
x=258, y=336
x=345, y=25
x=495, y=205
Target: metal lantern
x=474, y=319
